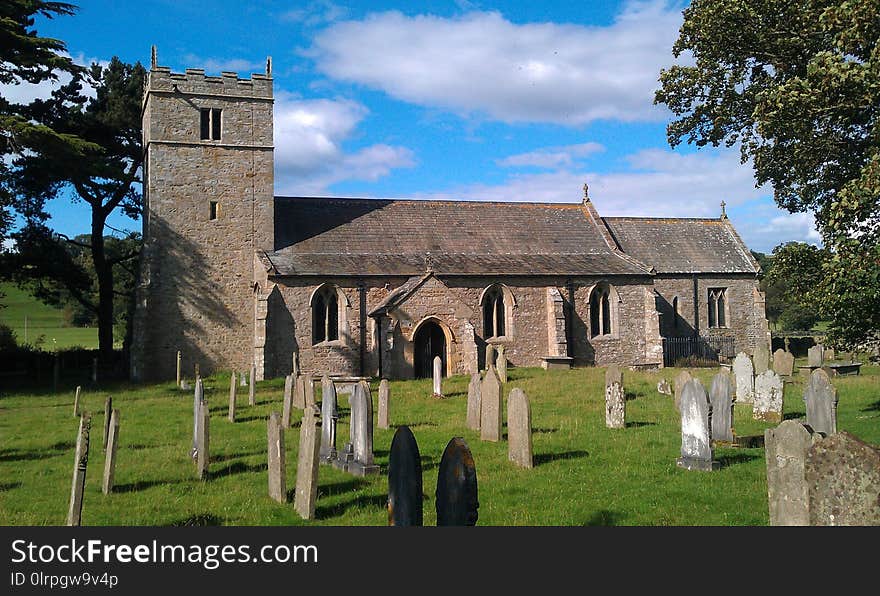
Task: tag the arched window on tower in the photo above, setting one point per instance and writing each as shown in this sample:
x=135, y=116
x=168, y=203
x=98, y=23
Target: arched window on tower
x=325, y=315
x=601, y=311
x=494, y=313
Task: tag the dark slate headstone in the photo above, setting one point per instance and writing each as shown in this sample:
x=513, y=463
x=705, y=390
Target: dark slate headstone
x=404, y=480
x=456, y=495
x=843, y=480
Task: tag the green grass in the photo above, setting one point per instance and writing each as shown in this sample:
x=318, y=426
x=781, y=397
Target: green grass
x=584, y=474
x=42, y=320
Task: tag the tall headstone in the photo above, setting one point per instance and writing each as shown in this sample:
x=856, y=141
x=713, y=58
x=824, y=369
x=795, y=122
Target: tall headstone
x=615, y=399
x=80, y=464
x=490, y=406
x=682, y=378
x=307, y=464
x=404, y=480
x=815, y=357
x=329, y=418
x=178, y=368
x=110, y=458
x=490, y=355
x=203, y=459
x=820, y=398
x=243, y=379
x=474, y=402
x=299, y=392
x=501, y=364
x=362, y=419
x=785, y=448
x=761, y=359
x=438, y=376
x=308, y=390
x=696, y=439
x=76, y=401
x=108, y=411
x=745, y=378
x=287, y=402
x=252, y=398
x=231, y=414
x=383, y=419
x=456, y=495
x=721, y=398
x=769, y=389
x=519, y=429
x=783, y=363
x=277, y=459
x=294, y=364
x=198, y=399
x=843, y=482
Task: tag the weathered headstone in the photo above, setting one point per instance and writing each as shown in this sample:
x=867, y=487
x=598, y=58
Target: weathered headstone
x=490, y=406
x=178, y=368
x=196, y=372
x=438, y=377
x=299, y=392
x=243, y=379
x=456, y=496
x=783, y=363
x=232, y=396
x=198, y=399
x=490, y=355
x=383, y=421
x=696, y=440
x=663, y=387
x=329, y=418
x=108, y=411
x=745, y=378
x=203, y=458
x=820, y=398
x=501, y=364
x=252, y=399
x=294, y=364
x=184, y=386
x=277, y=459
x=287, y=402
x=785, y=449
x=519, y=429
x=682, y=378
x=828, y=354
x=769, y=389
x=404, y=480
x=110, y=458
x=615, y=399
x=362, y=419
x=80, y=464
x=815, y=355
x=76, y=401
x=308, y=390
x=761, y=359
x=843, y=482
x=474, y=402
x=721, y=398
x=307, y=464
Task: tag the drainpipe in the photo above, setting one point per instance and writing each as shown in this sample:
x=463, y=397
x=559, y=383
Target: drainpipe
x=362, y=325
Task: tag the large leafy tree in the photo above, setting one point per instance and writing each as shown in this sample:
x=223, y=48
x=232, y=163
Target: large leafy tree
x=796, y=85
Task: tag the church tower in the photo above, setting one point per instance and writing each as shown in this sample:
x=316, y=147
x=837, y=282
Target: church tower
x=208, y=206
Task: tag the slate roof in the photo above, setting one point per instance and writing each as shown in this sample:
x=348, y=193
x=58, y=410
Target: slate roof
x=335, y=236
x=683, y=245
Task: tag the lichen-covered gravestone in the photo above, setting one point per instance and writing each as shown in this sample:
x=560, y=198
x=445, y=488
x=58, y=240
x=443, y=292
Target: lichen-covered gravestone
x=519, y=429
x=769, y=389
x=80, y=464
x=721, y=398
x=615, y=400
x=761, y=359
x=501, y=364
x=362, y=421
x=243, y=379
x=438, y=377
x=384, y=394
x=308, y=390
x=744, y=373
x=404, y=480
x=696, y=440
x=474, y=402
x=299, y=392
x=110, y=458
x=785, y=449
x=232, y=396
x=490, y=356
x=680, y=381
x=815, y=355
x=843, y=480
x=277, y=458
x=490, y=406
x=329, y=417
x=820, y=399
x=456, y=495
x=287, y=401
x=307, y=464
x=783, y=363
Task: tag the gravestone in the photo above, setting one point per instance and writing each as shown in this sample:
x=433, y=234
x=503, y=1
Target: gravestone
x=785, y=449
x=404, y=480
x=828, y=354
x=721, y=398
x=277, y=459
x=308, y=391
x=184, y=386
x=203, y=458
x=843, y=482
x=110, y=458
x=80, y=464
x=383, y=421
x=745, y=378
x=307, y=464
x=815, y=356
x=769, y=389
x=76, y=401
x=196, y=374
x=178, y=368
x=696, y=440
x=456, y=495
x=231, y=414
x=287, y=402
x=663, y=387
x=615, y=399
x=243, y=379
x=362, y=421
x=294, y=364
x=108, y=411
x=299, y=392
x=438, y=377
x=820, y=399
x=519, y=429
x=501, y=364
x=682, y=378
x=474, y=402
x=490, y=406
x=329, y=418
x=761, y=359
x=490, y=355
x=198, y=399
x=252, y=398
x=783, y=363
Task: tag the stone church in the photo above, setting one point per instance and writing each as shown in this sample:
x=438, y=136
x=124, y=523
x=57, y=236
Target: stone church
x=233, y=276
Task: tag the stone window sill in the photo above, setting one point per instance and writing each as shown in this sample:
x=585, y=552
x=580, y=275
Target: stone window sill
x=609, y=337
x=335, y=343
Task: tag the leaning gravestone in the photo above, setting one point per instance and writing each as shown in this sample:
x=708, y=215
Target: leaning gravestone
x=501, y=364
x=329, y=417
x=404, y=480
x=769, y=389
x=680, y=381
x=76, y=401
x=384, y=390
x=231, y=414
x=519, y=429
x=820, y=398
x=110, y=458
x=473, y=403
x=843, y=481
x=815, y=357
x=761, y=359
x=438, y=377
x=490, y=406
x=203, y=458
x=783, y=363
x=308, y=390
x=745, y=378
x=456, y=496
x=299, y=392
x=615, y=400
x=307, y=464
x=287, y=401
x=80, y=464
x=277, y=459
x=785, y=448
x=198, y=399
x=108, y=411
x=696, y=440
x=721, y=398
x=362, y=404
x=490, y=356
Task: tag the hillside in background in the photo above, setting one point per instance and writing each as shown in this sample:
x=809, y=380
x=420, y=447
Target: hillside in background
x=39, y=324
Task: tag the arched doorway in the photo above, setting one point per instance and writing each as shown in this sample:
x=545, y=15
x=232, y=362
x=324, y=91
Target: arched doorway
x=429, y=341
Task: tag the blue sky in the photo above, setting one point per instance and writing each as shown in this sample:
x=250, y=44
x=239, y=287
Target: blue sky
x=519, y=101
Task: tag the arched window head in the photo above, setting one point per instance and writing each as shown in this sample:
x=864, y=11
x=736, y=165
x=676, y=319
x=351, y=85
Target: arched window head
x=717, y=307
x=325, y=315
x=494, y=313
x=601, y=311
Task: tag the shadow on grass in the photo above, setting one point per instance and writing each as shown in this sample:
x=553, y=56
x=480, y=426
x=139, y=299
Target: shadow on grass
x=377, y=501
x=637, y=424
x=544, y=431
x=229, y=456
x=201, y=519
x=142, y=485
x=736, y=458
x=795, y=415
x=51, y=451
x=334, y=489
x=874, y=407
x=9, y=486
x=238, y=468
x=630, y=395
x=546, y=458
x=604, y=517
x=414, y=424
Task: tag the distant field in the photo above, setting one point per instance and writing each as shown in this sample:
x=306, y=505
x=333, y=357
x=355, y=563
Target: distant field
x=30, y=319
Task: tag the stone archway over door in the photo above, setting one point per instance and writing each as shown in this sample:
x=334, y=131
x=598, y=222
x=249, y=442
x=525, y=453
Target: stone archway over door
x=429, y=341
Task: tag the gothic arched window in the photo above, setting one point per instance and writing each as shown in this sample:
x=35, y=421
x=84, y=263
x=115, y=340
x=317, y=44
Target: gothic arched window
x=601, y=311
x=717, y=307
x=325, y=315
x=494, y=313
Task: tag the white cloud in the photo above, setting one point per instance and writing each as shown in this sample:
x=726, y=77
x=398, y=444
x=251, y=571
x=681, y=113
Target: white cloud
x=551, y=157
x=315, y=13
x=482, y=63
x=768, y=228
x=25, y=93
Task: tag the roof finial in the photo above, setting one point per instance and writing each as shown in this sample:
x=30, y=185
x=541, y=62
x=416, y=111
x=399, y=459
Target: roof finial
x=586, y=193
x=269, y=66
x=723, y=212
x=154, y=61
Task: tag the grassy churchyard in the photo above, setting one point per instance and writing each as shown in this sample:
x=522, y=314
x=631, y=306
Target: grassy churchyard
x=585, y=474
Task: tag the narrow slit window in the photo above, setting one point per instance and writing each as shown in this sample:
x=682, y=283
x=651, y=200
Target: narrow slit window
x=215, y=210
x=215, y=124
x=206, y=123
x=210, y=123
